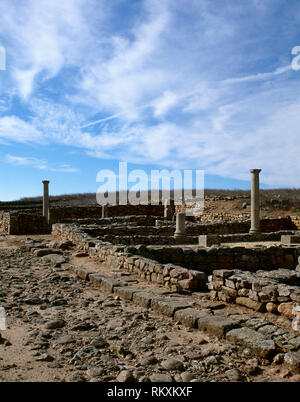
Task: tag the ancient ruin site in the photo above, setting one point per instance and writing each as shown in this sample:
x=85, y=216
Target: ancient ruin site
x=148, y=293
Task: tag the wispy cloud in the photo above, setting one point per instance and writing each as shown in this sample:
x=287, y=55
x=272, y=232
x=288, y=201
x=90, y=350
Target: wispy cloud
x=37, y=164
x=259, y=76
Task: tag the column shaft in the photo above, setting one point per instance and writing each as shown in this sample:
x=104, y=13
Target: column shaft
x=255, y=207
x=46, y=200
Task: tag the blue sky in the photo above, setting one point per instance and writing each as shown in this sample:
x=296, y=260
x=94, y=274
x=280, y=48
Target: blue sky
x=171, y=84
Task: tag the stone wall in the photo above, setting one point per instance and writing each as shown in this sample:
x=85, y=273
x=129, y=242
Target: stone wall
x=174, y=277
x=4, y=222
x=22, y=223
x=230, y=227
x=210, y=258
x=193, y=258
x=273, y=291
x=61, y=214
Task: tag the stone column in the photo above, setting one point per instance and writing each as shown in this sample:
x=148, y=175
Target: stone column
x=104, y=211
x=255, y=219
x=180, y=225
x=46, y=200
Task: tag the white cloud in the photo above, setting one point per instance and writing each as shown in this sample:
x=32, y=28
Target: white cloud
x=13, y=128
x=37, y=163
x=259, y=76
x=25, y=161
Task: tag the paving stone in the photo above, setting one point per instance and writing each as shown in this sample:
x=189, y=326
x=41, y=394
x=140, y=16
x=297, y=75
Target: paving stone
x=108, y=284
x=54, y=259
x=268, y=330
x=257, y=342
x=255, y=323
x=216, y=325
x=82, y=272
x=168, y=306
x=96, y=280
x=189, y=316
x=142, y=298
x=126, y=292
x=45, y=251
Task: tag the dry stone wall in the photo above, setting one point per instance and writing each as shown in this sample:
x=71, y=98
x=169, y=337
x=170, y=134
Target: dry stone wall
x=177, y=278
x=4, y=222
x=274, y=291
x=150, y=261
x=72, y=213
x=22, y=223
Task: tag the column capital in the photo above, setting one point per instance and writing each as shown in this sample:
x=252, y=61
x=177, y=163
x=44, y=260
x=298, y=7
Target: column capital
x=255, y=171
x=45, y=181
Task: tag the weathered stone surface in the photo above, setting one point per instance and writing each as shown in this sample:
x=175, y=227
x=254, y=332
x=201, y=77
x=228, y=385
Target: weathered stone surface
x=255, y=323
x=233, y=375
x=81, y=272
x=55, y=324
x=271, y=307
x=286, y=309
x=208, y=240
x=54, y=259
x=108, y=284
x=257, y=342
x=125, y=376
x=188, y=316
x=32, y=299
x=292, y=360
x=161, y=378
x=254, y=305
x=96, y=280
x=216, y=325
x=289, y=239
x=45, y=251
x=126, y=292
x=142, y=298
x=172, y=364
x=168, y=306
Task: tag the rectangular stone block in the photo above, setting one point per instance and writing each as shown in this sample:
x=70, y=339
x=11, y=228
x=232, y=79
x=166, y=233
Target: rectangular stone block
x=208, y=240
x=229, y=291
x=142, y=298
x=109, y=284
x=125, y=292
x=261, y=347
x=216, y=325
x=188, y=316
x=254, y=305
x=96, y=280
x=168, y=305
x=82, y=272
x=290, y=239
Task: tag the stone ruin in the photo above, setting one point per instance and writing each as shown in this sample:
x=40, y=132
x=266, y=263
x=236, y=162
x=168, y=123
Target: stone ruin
x=156, y=243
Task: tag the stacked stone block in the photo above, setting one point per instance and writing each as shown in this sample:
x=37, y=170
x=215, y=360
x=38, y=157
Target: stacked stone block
x=273, y=291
